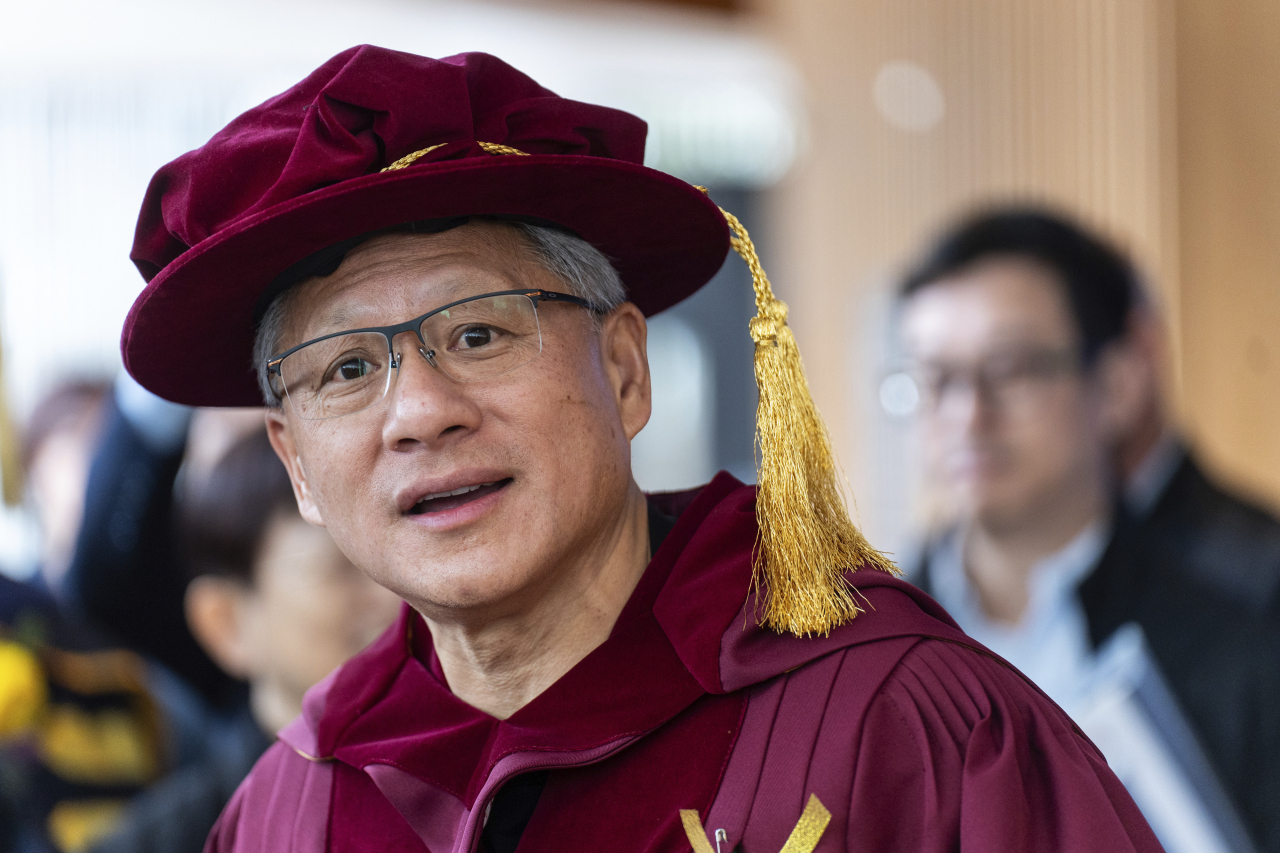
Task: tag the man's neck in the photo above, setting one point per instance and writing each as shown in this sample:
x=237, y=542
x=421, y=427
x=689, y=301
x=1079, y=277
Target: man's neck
x=274, y=705
x=500, y=665
x=999, y=558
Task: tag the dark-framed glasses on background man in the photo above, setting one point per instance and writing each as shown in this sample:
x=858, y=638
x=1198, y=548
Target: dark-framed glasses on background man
x=467, y=340
x=1003, y=379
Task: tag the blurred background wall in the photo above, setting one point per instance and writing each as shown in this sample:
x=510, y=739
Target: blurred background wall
x=1156, y=121
x=844, y=131
x=922, y=109
x=1228, y=185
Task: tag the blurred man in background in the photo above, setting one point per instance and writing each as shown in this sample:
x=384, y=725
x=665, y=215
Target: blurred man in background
x=276, y=604
x=1021, y=331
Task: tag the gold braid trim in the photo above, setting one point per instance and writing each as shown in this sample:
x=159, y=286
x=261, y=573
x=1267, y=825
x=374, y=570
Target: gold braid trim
x=694, y=832
x=808, y=831
x=495, y=148
x=807, y=541
x=410, y=159
x=804, y=837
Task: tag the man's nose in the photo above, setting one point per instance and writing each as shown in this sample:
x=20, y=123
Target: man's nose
x=965, y=403
x=425, y=406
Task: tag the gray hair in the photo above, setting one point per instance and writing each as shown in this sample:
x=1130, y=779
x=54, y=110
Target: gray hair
x=583, y=268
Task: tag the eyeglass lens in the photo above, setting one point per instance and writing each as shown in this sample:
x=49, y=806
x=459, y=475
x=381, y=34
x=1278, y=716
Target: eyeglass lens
x=1001, y=380
x=473, y=340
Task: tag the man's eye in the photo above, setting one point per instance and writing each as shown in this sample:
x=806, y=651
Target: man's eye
x=353, y=368
x=477, y=336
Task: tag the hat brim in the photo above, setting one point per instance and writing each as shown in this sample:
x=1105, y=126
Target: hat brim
x=189, y=335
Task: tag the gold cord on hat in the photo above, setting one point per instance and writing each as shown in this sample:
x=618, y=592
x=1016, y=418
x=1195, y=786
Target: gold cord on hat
x=491, y=147
x=807, y=542
x=410, y=159
x=495, y=148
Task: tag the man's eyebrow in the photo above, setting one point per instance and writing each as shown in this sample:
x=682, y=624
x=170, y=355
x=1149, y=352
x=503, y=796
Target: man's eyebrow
x=338, y=319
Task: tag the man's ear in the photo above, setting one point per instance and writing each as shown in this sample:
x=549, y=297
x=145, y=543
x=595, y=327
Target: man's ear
x=626, y=362
x=1122, y=380
x=281, y=437
x=217, y=611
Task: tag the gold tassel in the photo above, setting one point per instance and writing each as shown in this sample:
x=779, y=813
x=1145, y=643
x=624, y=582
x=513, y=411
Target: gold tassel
x=807, y=541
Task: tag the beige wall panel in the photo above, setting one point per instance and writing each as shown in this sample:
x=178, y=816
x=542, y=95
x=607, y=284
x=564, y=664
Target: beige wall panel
x=1229, y=168
x=1060, y=100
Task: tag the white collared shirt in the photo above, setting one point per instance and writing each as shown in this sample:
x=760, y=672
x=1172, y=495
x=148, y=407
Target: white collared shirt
x=1050, y=645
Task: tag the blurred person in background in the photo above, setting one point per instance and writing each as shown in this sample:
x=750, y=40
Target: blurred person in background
x=127, y=575
x=80, y=732
x=57, y=450
x=1020, y=329
x=277, y=605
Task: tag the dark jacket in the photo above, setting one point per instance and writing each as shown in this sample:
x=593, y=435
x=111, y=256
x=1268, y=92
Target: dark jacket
x=93, y=735
x=1216, y=538
x=176, y=814
x=127, y=574
x=1195, y=576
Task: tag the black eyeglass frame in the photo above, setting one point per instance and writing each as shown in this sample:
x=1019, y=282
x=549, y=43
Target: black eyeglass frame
x=1038, y=364
x=415, y=325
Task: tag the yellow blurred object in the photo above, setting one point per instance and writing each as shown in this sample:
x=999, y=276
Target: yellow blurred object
x=74, y=825
x=106, y=671
x=108, y=747
x=10, y=457
x=23, y=689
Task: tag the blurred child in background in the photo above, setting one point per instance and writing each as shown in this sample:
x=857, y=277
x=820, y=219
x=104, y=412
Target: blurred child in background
x=275, y=603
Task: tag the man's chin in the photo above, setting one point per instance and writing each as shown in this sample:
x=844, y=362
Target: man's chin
x=1000, y=514
x=442, y=590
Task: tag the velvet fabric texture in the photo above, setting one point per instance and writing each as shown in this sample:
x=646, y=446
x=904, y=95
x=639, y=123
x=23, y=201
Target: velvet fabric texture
x=303, y=171
x=910, y=734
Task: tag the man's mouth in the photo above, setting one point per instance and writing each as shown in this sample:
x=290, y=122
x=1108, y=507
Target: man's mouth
x=441, y=501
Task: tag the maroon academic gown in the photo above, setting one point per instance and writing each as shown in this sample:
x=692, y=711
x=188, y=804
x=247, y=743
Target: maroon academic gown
x=914, y=737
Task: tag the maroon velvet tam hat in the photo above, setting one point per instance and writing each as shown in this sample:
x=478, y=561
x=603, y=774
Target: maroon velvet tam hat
x=463, y=136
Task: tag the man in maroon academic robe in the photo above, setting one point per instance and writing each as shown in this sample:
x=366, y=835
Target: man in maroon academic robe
x=437, y=273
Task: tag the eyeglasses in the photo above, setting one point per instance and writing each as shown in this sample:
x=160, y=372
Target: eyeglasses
x=1002, y=380
x=468, y=340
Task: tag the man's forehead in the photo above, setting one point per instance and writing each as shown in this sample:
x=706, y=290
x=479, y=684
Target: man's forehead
x=488, y=245
x=395, y=271
x=1001, y=299
x=1003, y=272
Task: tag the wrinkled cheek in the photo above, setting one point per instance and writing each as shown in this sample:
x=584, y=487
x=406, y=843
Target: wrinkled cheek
x=338, y=482
x=345, y=525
